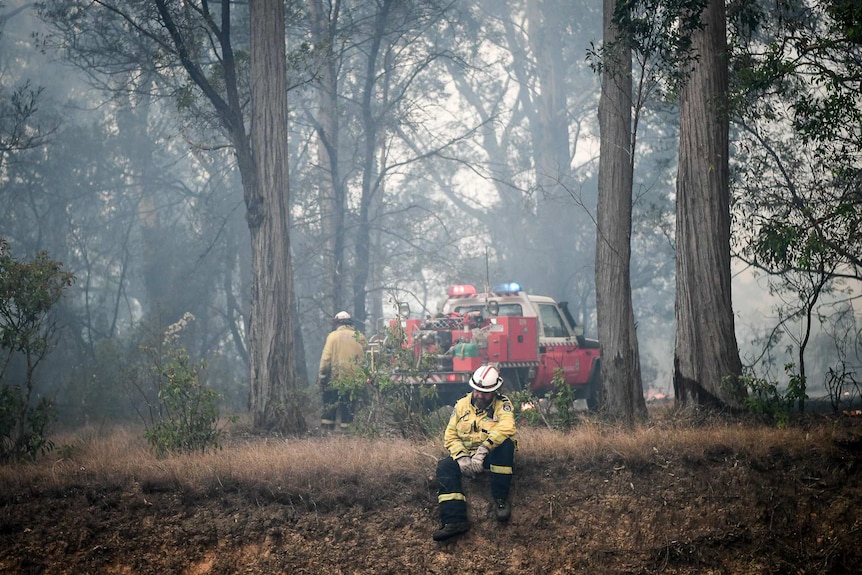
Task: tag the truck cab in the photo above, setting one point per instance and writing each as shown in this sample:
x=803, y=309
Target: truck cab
x=528, y=357
x=531, y=339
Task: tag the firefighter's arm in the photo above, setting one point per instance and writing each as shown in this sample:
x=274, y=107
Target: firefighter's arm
x=505, y=426
x=451, y=441
x=325, y=362
x=363, y=341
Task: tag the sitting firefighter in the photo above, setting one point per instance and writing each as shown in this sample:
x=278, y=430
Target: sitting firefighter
x=480, y=436
x=342, y=359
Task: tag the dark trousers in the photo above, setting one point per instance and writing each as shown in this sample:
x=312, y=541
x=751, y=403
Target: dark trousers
x=450, y=495
x=332, y=404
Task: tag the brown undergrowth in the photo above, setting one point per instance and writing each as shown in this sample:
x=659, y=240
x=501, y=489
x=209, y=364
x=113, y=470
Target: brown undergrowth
x=675, y=496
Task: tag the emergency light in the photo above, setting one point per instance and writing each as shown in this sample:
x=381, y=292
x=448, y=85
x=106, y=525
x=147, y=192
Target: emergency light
x=510, y=287
x=461, y=290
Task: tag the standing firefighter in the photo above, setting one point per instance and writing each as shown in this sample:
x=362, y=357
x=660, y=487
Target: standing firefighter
x=341, y=361
x=481, y=435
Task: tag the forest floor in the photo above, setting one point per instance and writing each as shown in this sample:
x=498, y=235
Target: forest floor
x=730, y=500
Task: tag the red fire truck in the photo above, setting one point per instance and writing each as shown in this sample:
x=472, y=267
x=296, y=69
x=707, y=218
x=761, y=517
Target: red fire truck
x=529, y=338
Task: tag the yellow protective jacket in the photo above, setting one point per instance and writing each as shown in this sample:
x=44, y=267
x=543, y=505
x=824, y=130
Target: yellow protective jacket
x=343, y=354
x=469, y=428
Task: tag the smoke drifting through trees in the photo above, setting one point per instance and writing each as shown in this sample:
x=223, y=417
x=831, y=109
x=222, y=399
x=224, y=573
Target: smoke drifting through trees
x=474, y=124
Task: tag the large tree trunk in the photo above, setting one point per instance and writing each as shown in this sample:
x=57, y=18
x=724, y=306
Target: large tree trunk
x=273, y=396
x=623, y=391
x=706, y=358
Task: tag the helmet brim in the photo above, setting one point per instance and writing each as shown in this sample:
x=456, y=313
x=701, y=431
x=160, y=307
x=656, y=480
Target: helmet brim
x=494, y=387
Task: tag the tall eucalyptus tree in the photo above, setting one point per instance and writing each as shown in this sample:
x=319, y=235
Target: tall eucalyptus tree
x=274, y=387
x=706, y=357
x=196, y=56
x=623, y=392
x=647, y=33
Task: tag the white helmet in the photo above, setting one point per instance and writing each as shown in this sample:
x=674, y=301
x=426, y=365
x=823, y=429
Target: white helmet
x=486, y=378
x=342, y=316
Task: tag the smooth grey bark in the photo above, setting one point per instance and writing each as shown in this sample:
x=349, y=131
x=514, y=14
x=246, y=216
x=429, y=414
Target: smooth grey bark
x=706, y=356
x=622, y=398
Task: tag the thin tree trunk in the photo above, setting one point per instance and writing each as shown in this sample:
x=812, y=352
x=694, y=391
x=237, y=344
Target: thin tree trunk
x=369, y=169
x=332, y=194
x=623, y=390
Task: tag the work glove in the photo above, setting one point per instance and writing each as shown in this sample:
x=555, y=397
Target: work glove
x=478, y=459
x=466, y=465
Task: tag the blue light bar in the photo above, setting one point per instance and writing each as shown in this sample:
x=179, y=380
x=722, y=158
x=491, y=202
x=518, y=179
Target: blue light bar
x=510, y=287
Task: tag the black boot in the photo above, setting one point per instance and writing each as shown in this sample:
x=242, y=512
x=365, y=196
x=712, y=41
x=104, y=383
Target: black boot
x=502, y=510
x=451, y=530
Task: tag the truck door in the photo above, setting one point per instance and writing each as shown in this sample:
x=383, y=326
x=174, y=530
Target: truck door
x=557, y=347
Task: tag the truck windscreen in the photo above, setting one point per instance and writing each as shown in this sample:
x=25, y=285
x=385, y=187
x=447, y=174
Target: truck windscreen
x=506, y=309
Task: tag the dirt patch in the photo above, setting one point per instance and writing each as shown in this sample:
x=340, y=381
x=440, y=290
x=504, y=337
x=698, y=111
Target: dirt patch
x=719, y=512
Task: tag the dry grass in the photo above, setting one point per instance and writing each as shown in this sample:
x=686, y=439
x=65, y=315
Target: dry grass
x=323, y=470
x=669, y=436
x=330, y=468
x=679, y=495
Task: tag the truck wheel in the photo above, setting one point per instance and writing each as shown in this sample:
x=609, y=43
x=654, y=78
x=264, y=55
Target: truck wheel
x=516, y=380
x=594, y=388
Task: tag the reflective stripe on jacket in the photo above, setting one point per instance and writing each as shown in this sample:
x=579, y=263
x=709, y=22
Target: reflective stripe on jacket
x=469, y=428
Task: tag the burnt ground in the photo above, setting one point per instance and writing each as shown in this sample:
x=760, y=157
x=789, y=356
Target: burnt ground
x=718, y=512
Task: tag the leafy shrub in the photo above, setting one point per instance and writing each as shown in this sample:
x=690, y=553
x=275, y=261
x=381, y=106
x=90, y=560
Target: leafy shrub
x=555, y=410
x=563, y=399
x=529, y=409
x=765, y=398
x=351, y=384
x=186, y=415
x=387, y=407
x=23, y=429
x=29, y=291
x=384, y=406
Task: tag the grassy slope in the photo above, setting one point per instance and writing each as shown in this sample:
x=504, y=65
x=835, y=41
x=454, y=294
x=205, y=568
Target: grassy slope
x=674, y=497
